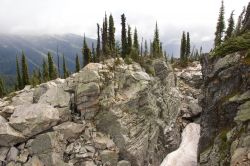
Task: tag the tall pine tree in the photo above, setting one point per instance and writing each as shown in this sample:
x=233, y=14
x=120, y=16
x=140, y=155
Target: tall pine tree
x=65, y=70
x=86, y=53
x=77, y=63
x=129, y=41
x=183, y=48
x=98, y=45
x=230, y=27
x=246, y=20
x=156, y=42
x=105, y=47
x=220, y=26
x=45, y=71
x=239, y=23
x=136, y=42
x=123, y=36
x=2, y=88
x=52, y=69
x=188, y=47
x=19, y=79
x=111, y=35
x=145, y=48
x=25, y=73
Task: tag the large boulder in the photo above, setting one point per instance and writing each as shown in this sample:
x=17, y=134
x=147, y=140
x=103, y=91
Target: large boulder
x=33, y=119
x=9, y=136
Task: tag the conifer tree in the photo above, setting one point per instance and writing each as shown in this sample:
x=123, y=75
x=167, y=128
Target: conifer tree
x=123, y=37
x=145, y=48
x=188, y=47
x=239, y=23
x=111, y=34
x=98, y=46
x=129, y=41
x=86, y=53
x=65, y=70
x=19, y=79
x=246, y=20
x=230, y=27
x=220, y=26
x=52, y=69
x=25, y=73
x=172, y=59
x=2, y=88
x=45, y=71
x=77, y=63
x=156, y=42
x=183, y=48
x=136, y=43
x=39, y=76
x=105, y=41
x=34, y=79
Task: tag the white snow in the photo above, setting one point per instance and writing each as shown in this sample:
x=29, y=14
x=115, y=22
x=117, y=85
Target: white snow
x=186, y=154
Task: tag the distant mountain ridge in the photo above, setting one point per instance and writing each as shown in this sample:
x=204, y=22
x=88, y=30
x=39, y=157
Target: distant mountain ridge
x=36, y=48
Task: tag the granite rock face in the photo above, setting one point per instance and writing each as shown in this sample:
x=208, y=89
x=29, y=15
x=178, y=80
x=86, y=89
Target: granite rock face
x=109, y=113
x=225, y=125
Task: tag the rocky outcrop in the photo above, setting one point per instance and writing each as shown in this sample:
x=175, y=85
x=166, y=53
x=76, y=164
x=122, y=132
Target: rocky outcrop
x=225, y=127
x=107, y=114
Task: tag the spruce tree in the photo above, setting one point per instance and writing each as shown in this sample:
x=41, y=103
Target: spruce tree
x=86, y=53
x=34, y=79
x=188, y=47
x=45, y=71
x=145, y=48
x=105, y=47
x=220, y=26
x=246, y=20
x=123, y=36
x=129, y=41
x=77, y=63
x=2, y=88
x=239, y=23
x=65, y=70
x=156, y=42
x=183, y=48
x=136, y=43
x=111, y=34
x=52, y=69
x=39, y=76
x=98, y=46
x=25, y=73
x=230, y=27
x=19, y=79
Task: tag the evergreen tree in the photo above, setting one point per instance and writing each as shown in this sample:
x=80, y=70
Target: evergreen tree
x=188, y=47
x=111, y=34
x=246, y=20
x=19, y=79
x=86, y=53
x=183, y=48
x=123, y=36
x=172, y=59
x=45, y=71
x=129, y=41
x=25, y=73
x=136, y=43
x=230, y=28
x=34, y=79
x=65, y=70
x=77, y=63
x=220, y=26
x=145, y=48
x=2, y=88
x=156, y=42
x=239, y=23
x=39, y=76
x=52, y=69
x=105, y=41
x=98, y=46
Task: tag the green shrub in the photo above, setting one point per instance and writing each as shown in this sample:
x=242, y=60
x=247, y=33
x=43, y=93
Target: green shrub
x=234, y=44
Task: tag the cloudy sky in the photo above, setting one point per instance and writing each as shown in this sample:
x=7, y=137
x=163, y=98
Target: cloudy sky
x=80, y=16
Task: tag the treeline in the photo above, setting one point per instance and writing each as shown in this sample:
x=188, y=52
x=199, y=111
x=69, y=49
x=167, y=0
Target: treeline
x=235, y=37
x=130, y=48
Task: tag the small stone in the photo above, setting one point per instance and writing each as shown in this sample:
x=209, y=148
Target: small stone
x=12, y=155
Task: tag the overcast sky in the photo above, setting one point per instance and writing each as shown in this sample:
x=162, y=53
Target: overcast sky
x=80, y=16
